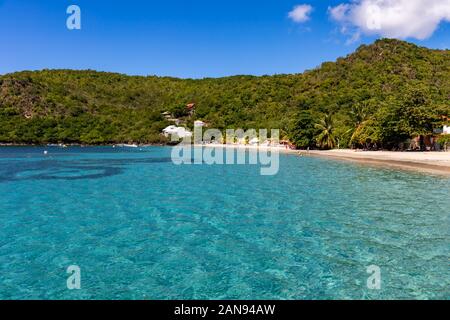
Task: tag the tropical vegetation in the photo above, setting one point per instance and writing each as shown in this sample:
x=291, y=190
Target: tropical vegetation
x=379, y=96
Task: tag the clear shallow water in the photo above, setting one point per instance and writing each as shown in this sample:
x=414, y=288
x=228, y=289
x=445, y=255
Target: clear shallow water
x=140, y=227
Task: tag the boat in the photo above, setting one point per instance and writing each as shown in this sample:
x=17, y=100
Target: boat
x=127, y=146
x=60, y=145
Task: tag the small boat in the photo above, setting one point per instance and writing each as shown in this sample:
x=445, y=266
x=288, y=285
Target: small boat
x=127, y=146
x=60, y=145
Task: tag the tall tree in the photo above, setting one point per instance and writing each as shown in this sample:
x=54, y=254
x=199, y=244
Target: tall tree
x=326, y=138
x=303, y=131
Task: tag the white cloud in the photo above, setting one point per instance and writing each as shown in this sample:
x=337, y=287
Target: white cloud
x=339, y=12
x=392, y=18
x=300, y=13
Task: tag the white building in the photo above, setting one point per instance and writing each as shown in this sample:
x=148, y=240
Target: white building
x=181, y=132
x=446, y=130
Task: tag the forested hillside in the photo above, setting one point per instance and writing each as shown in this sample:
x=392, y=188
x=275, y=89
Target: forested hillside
x=382, y=93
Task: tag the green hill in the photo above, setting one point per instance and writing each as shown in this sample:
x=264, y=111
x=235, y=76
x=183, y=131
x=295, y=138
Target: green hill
x=382, y=93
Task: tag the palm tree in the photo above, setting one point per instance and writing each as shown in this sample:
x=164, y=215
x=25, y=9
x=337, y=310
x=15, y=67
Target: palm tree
x=359, y=115
x=326, y=138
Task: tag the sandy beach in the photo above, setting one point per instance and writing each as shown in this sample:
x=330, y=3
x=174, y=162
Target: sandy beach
x=429, y=162
x=249, y=147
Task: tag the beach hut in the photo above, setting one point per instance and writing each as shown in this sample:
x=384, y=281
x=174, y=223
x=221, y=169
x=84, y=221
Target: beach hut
x=430, y=142
x=446, y=130
x=190, y=108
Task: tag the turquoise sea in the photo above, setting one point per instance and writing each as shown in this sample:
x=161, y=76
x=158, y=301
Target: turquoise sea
x=140, y=227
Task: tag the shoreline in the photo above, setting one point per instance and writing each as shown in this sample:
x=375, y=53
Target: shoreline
x=248, y=147
x=431, y=162
x=426, y=162
x=79, y=145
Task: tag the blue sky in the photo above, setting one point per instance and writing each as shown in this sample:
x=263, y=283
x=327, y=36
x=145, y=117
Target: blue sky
x=195, y=38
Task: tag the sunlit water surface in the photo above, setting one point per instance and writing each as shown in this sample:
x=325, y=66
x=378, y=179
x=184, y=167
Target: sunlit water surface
x=140, y=227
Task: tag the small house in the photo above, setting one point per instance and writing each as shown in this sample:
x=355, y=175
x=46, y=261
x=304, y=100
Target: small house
x=446, y=130
x=181, y=132
x=190, y=108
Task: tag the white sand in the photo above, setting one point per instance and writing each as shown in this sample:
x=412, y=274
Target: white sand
x=431, y=162
x=248, y=147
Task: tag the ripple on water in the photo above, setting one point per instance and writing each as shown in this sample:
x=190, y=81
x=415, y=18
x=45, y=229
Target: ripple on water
x=142, y=228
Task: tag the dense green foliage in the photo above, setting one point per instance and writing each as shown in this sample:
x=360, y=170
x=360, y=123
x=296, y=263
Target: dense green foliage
x=383, y=93
x=444, y=140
